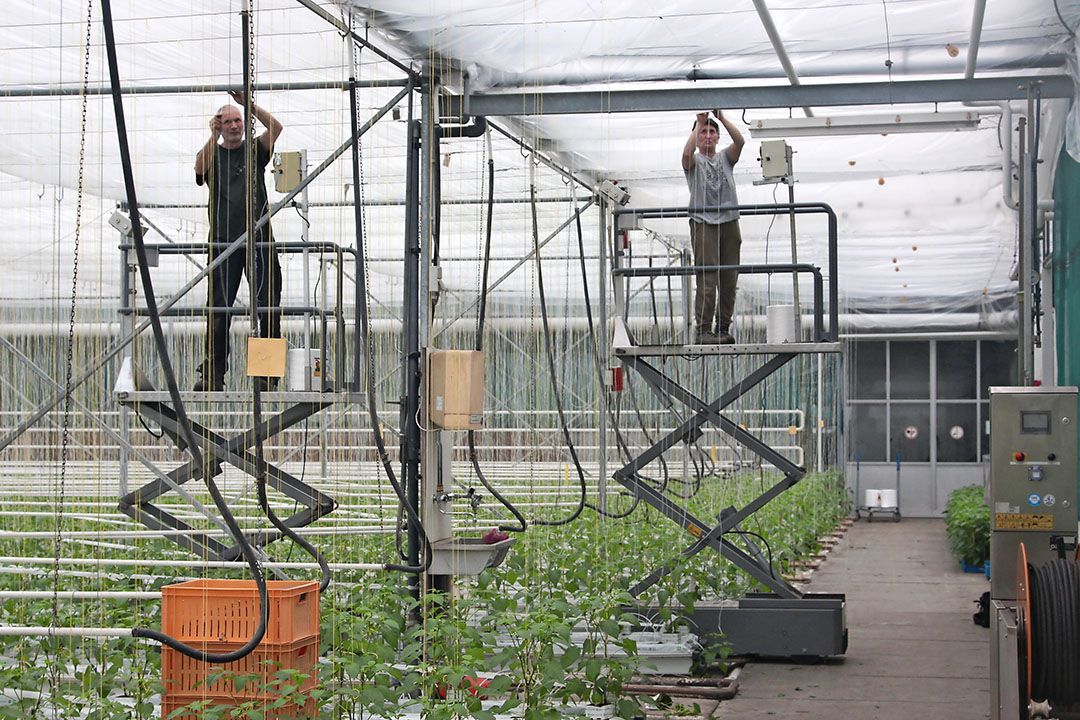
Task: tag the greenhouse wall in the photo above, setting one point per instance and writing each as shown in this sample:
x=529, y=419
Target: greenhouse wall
x=1066, y=269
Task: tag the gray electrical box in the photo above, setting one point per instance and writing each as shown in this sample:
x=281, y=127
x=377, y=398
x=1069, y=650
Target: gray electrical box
x=1033, y=480
x=775, y=159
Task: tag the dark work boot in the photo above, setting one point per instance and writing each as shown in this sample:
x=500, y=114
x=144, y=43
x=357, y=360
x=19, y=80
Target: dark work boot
x=705, y=336
x=267, y=384
x=724, y=337
x=209, y=381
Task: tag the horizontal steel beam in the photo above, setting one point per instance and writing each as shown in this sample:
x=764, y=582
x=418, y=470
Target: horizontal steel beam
x=78, y=90
x=774, y=96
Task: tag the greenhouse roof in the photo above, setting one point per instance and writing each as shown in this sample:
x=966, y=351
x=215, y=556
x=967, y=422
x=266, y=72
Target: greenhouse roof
x=924, y=218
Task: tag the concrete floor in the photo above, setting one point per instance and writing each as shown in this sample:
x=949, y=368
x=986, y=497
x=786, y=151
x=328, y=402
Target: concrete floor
x=913, y=651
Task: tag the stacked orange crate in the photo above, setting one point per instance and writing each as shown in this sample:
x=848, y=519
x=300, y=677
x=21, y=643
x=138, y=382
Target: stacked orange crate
x=221, y=615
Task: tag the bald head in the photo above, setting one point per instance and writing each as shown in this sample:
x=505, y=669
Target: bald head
x=231, y=122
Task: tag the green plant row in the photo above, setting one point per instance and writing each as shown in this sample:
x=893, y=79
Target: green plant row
x=514, y=621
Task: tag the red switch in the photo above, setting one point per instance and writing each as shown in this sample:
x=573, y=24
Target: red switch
x=1019, y=456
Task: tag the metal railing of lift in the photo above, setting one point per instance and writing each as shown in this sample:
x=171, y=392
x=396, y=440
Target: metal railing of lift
x=820, y=333
x=338, y=312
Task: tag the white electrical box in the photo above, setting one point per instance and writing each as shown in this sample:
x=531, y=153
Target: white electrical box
x=775, y=157
x=613, y=192
x=287, y=171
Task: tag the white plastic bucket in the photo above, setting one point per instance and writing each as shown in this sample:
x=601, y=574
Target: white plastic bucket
x=303, y=369
x=873, y=498
x=888, y=498
x=780, y=324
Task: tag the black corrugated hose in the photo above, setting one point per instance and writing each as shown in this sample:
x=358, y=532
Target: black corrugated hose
x=1055, y=632
x=365, y=339
x=170, y=381
x=250, y=152
x=551, y=369
x=479, y=345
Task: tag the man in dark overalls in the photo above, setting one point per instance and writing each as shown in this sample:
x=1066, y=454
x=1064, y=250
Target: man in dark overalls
x=221, y=164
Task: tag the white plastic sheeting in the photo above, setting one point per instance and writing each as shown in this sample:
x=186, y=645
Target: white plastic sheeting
x=923, y=224
x=526, y=44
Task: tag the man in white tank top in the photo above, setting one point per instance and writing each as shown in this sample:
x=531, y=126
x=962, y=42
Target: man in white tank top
x=714, y=230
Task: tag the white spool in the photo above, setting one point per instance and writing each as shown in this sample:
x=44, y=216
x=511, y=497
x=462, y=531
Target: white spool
x=873, y=498
x=780, y=324
x=888, y=498
x=303, y=369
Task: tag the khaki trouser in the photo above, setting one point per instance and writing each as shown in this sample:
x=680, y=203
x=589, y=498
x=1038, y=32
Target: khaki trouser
x=715, y=245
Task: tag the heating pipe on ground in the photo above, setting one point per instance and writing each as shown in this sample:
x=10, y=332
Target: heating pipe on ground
x=146, y=563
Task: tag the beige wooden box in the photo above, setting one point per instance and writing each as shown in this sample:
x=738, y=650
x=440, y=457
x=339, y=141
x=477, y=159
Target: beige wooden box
x=456, y=389
x=266, y=357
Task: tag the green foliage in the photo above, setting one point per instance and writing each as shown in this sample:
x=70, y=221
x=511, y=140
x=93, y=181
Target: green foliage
x=549, y=625
x=967, y=521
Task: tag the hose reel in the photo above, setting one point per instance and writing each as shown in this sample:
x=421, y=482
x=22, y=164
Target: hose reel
x=1048, y=635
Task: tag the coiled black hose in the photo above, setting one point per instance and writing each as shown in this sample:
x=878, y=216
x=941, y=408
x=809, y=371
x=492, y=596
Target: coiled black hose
x=1054, y=626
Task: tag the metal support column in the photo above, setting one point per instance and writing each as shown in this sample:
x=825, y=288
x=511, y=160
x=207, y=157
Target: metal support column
x=604, y=351
x=434, y=446
x=410, y=378
x=1024, y=289
x=127, y=299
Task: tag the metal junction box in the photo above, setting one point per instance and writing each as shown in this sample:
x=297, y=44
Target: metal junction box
x=1033, y=480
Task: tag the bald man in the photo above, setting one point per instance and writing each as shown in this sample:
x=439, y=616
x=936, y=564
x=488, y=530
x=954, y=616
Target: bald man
x=221, y=165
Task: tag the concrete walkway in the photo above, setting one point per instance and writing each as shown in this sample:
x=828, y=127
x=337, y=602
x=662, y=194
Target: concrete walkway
x=913, y=651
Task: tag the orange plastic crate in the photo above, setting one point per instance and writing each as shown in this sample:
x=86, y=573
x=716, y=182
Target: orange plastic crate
x=170, y=705
x=184, y=677
x=211, y=610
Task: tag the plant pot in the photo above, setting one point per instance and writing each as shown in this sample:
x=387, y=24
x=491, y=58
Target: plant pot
x=969, y=568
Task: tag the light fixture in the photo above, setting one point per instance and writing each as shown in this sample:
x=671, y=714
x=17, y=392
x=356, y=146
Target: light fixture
x=864, y=124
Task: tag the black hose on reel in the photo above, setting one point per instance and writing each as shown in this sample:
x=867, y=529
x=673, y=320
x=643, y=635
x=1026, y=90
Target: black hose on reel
x=1054, y=626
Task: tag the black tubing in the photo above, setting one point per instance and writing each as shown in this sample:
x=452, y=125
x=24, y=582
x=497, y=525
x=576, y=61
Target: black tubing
x=620, y=441
x=1054, y=627
x=479, y=345
x=551, y=369
x=170, y=381
x=365, y=329
x=250, y=152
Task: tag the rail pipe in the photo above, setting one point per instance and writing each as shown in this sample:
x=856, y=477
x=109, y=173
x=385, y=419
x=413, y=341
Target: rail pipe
x=50, y=631
x=202, y=564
